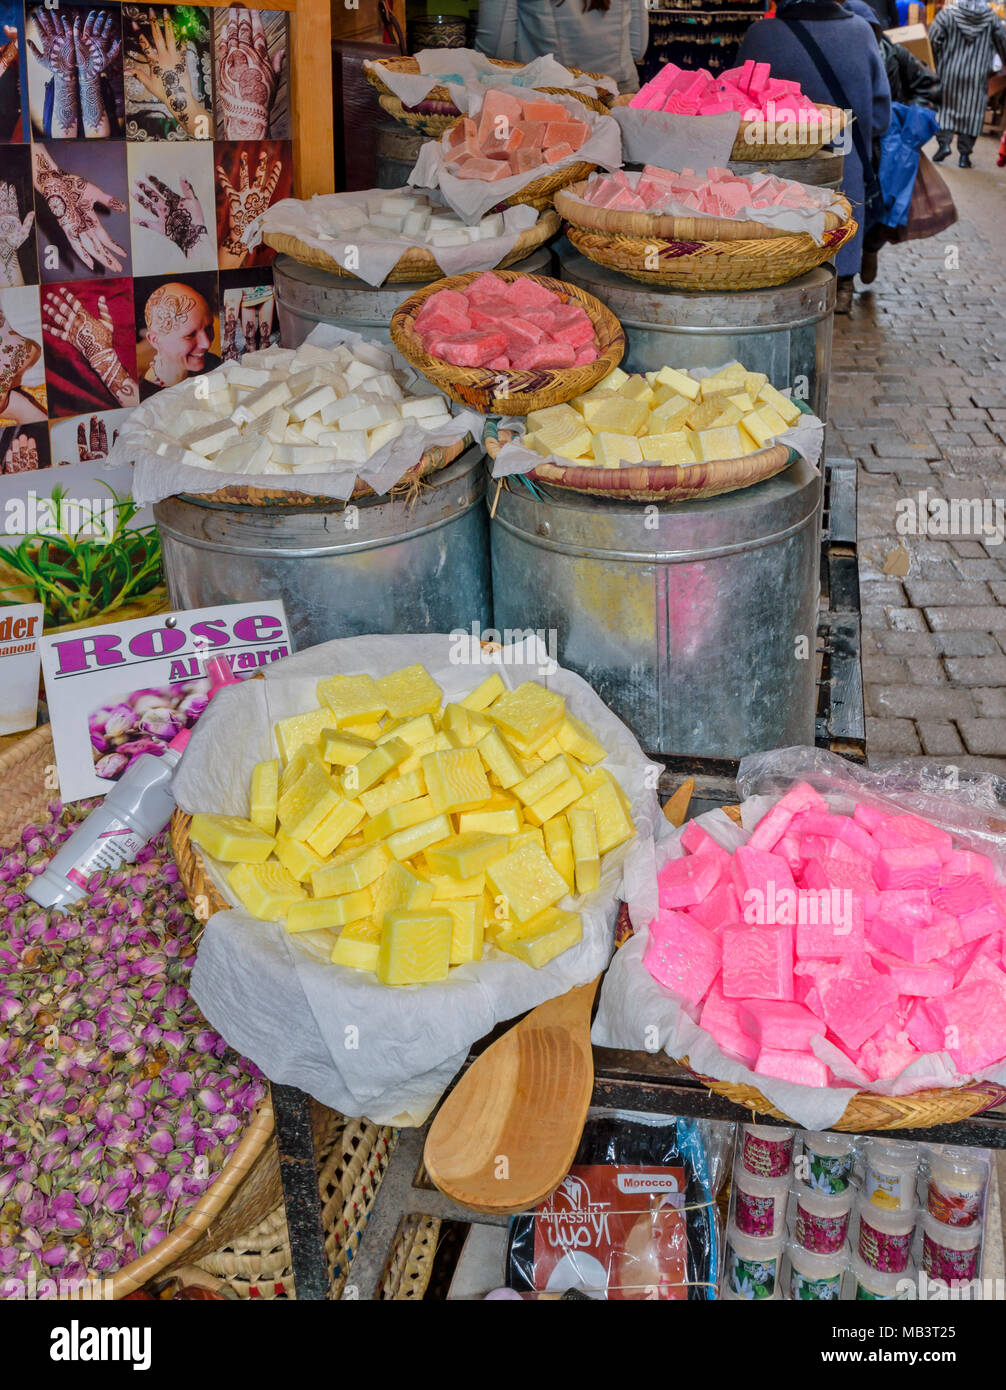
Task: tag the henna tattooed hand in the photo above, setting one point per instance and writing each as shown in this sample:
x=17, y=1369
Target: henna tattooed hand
x=68, y=320
x=246, y=78
x=8, y=54
x=165, y=75
x=177, y=216
x=97, y=47
x=73, y=201
x=22, y=455
x=250, y=326
x=17, y=355
x=59, y=54
x=247, y=201
x=229, y=349
x=92, y=443
x=13, y=233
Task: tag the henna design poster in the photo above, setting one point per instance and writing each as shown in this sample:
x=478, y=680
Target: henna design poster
x=136, y=144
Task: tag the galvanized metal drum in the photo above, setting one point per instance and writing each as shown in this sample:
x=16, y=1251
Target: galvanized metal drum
x=823, y=170
x=784, y=331
x=306, y=296
x=385, y=565
x=695, y=621
x=397, y=149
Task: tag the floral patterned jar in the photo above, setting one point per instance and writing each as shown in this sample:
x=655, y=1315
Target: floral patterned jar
x=752, y=1266
x=759, y=1204
x=885, y=1237
x=826, y=1161
x=767, y=1150
x=955, y=1187
x=871, y=1284
x=951, y=1253
x=822, y=1219
x=815, y=1278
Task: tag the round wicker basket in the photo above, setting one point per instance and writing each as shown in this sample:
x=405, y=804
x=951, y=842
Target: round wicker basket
x=653, y=482
x=763, y=141
x=540, y=193
x=479, y=387
x=415, y=265
x=440, y=100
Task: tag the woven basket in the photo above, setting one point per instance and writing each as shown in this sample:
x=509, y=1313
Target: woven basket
x=415, y=265
x=245, y=495
x=653, y=482
x=531, y=390
x=540, y=193
x=773, y=143
x=27, y=775
x=442, y=96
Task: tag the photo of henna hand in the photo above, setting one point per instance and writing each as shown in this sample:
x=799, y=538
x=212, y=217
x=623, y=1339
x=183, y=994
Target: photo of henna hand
x=14, y=231
x=92, y=443
x=18, y=355
x=91, y=337
x=177, y=216
x=242, y=197
x=56, y=53
x=247, y=76
x=160, y=65
x=97, y=47
x=10, y=84
x=21, y=455
x=73, y=201
x=74, y=73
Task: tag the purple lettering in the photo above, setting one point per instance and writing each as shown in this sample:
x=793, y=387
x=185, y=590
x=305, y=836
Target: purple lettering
x=214, y=630
x=76, y=653
x=257, y=629
x=158, y=641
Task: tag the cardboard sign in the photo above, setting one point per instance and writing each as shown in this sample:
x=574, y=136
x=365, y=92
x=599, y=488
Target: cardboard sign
x=20, y=631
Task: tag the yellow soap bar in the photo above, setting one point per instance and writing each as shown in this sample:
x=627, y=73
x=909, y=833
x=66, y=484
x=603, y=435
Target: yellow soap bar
x=400, y=887
x=457, y=725
x=455, y=779
x=340, y=822
x=343, y=748
x=350, y=871
x=415, y=947
x=370, y=769
x=753, y=383
x=559, y=848
x=330, y=912
x=446, y=888
x=614, y=824
x=679, y=381
x=586, y=855
x=498, y=759
x=530, y=835
x=305, y=755
x=636, y=388
x=266, y=890
x=296, y=857
x=264, y=795
x=299, y=729
x=414, y=731
x=439, y=743
x=612, y=450
x=358, y=945
x=772, y=419
x=756, y=429
x=575, y=738
x=467, y=929
x=566, y=442
x=303, y=808
x=564, y=795
x=500, y=815
x=673, y=447
x=721, y=443
x=619, y=416
x=540, y=783
x=743, y=402
x=530, y=714
x=351, y=698
x=231, y=838
x=398, y=817
x=483, y=695
x=496, y=917
x=704, y=412
x=528, y=879
x=553, y=418
x=537, y=950
x=729, y=415
x=394, y=792
x=785, y=407
x=463, y=856
x=546, y=920
x=670, y=415
x=410, y=691
x=365, y=728
x=403, y=844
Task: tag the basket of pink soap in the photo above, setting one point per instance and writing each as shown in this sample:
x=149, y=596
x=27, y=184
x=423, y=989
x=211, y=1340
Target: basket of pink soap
x=834, y=951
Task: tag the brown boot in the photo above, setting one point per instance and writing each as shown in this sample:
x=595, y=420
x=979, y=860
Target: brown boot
x=843, y=295
x=868, y=270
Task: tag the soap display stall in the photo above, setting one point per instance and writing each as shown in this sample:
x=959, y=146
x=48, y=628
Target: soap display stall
x=338, y=1207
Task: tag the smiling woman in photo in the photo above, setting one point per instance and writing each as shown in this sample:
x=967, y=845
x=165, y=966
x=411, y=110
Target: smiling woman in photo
x=180, y=330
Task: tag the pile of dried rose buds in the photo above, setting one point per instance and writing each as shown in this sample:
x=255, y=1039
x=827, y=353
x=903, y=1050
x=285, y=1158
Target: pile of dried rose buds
x=144, y=721
x=118, y=1106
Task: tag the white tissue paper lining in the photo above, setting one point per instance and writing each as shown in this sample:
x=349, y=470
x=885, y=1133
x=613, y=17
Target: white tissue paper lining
x=355, y=1045
x=156, y=476
x=374, y=258
x=806, y=438
x=672, y=141
x=545, y=71
x=633, y=1005
x=473, y=198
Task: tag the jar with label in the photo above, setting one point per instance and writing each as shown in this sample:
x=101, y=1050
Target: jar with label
x=885, y=1237
x=955, y=1187
x=826, y=1161
x=815, y=1278
x=752, y=1266
x=759, y=1204
x=767, y=1150
x=950, y=1253
x=870, y=1283
x=891, y=1174
x=822, y=1219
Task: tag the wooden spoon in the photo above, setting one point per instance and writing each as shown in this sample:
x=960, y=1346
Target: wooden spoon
x=506, y=1135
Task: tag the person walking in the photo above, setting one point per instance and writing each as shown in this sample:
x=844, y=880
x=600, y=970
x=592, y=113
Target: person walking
x=833, y=55
x=605, y=36
x=964, y=38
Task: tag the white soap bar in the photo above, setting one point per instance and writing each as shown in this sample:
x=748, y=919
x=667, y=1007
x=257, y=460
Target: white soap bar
x=265, y=398
x=219, y=402
x=452, y=238
x=211, y=438
x=350, y=447
x=368, y=416
x=299, y=455
x=443, y=222
x=494, y=224
x=334, y=411
x=269, y=359
x=391, y=224
x=359, y=372
x=245, y=456
x=420, y=407
x=319, y=374
x=383, y=434
x=385, y=386
x=311, y=402
x=271, y=425
x=416, y=223
x=187, y=420
x=374, y=355
x=396, y=205
x=312, y=428
x=310, y=355
x=274, y=466
x=240, y=375
x=435, y=422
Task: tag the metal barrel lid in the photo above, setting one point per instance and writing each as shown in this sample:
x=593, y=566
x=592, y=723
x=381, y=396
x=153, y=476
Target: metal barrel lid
x=821, y=170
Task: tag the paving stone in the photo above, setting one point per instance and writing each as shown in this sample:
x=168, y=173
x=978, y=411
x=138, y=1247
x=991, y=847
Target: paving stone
x=890, y=738
x=903, y=643
x=919, y=702
x=922, y=671
x=926, y=595
x=986, y=736
x=990, y=702
x=939, y=738
x=978, y=670
x=911, y=620
x=976, y=619
x=965, y=644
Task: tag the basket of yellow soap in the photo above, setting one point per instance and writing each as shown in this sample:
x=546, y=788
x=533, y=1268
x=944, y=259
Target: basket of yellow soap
x=435, y=831
x=664, y=435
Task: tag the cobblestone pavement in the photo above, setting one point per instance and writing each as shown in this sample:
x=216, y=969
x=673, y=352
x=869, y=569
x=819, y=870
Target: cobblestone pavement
x=918, y=398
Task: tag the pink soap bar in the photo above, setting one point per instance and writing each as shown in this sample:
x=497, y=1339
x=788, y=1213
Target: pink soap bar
x=803, y=1068
x=827, y=847
x=882, y=1061
x=843, y=828
x=913, y=830
x=868, y=817
x=780, y=1023
x=771, y=828
x=963, y=863
x=802, y=797
x=907, y=867
x=682, y=956
x=758, y=962
x=839, y=931
x=927, y=980
x=789, y=849
x=914, y=934
x=960, y=959
x=683, y=882
x=971, y=1020
x=720, y=909
x=753, y=870
x=720, y=1018
x=839, y=873
x=854, y=1000
x=984, y=970
x=694, y=839
x=922, y=1031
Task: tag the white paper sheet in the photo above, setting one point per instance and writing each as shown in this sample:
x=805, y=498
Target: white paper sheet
x=156, y=475
x=671, y=141
x=292, y=1012
x=479, y=73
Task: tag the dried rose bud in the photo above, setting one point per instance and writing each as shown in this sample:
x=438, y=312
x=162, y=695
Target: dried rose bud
x=119, y=720
x=160, y=723
x=112, y=765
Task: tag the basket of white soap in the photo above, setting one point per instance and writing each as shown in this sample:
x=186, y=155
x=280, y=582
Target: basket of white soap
x=401, y=236
x=339, y=417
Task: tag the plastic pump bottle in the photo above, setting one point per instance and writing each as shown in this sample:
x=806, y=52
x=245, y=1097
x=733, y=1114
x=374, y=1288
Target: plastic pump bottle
x=137, y=809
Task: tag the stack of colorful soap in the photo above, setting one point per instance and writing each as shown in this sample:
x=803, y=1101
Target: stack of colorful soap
x=716, y=193
x=750, y=90
x=512, y=135
x=505, y=324
x=835, y=948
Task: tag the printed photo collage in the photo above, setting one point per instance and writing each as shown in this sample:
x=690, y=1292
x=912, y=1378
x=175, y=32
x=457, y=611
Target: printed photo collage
x=136, y=145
